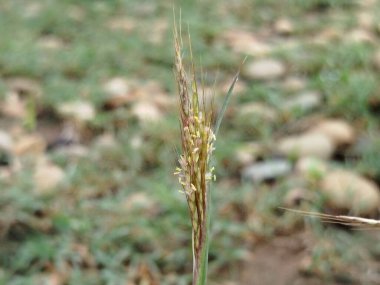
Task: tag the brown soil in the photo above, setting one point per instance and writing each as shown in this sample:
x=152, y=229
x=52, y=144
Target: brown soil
x=278, y=262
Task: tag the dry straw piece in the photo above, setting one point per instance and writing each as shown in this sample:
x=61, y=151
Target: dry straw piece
x=352, y=221
x=198, y=136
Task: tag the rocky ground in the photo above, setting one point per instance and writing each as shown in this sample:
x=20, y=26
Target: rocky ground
x=89, y=132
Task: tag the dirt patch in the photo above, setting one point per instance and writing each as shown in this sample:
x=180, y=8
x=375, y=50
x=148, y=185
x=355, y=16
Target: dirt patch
x=278, y=262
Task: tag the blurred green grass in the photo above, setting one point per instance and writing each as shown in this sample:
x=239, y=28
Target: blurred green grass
x=86, y=228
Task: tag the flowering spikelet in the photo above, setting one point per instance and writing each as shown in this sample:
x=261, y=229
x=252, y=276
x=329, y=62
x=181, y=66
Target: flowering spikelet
x=197, y=138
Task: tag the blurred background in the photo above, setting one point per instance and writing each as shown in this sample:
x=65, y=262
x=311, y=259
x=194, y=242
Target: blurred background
x=89, y=130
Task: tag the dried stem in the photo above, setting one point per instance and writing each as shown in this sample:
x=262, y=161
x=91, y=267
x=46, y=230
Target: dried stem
x=357, y=222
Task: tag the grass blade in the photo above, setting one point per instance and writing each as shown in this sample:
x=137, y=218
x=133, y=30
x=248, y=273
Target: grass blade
x=226, y=101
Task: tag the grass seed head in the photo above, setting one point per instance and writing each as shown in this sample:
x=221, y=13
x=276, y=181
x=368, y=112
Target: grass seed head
x=197, y=139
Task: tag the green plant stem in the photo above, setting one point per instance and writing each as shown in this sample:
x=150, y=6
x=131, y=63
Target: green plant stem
x=203, y=264
x=200, y=277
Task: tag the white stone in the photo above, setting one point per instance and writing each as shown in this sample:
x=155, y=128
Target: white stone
x=284, y=26
x=246, y=42
x=146, y=111
x=349, y=191
x=50, y=43
x=24, y=86
x=80, y=111
x=138, y=200
x=366, y=20
x=247, y=154
x=339, y=131
x=294, y=84
x=117, y=86
x=303, y=102
x=258, y=110
x=6, y=141
x=307, y=145
x=360, y=36
x=327, y=35
x=47, y=176
x=124, y=24
x=29, y=145
x=240, y=87
x=265, y=170
x=106, y=140
x=13, y=106
x=264, y=69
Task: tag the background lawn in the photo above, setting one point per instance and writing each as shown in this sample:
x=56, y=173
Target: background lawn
x=89, y=136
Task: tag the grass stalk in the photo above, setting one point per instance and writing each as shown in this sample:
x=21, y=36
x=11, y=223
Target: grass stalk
x=198, y=136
